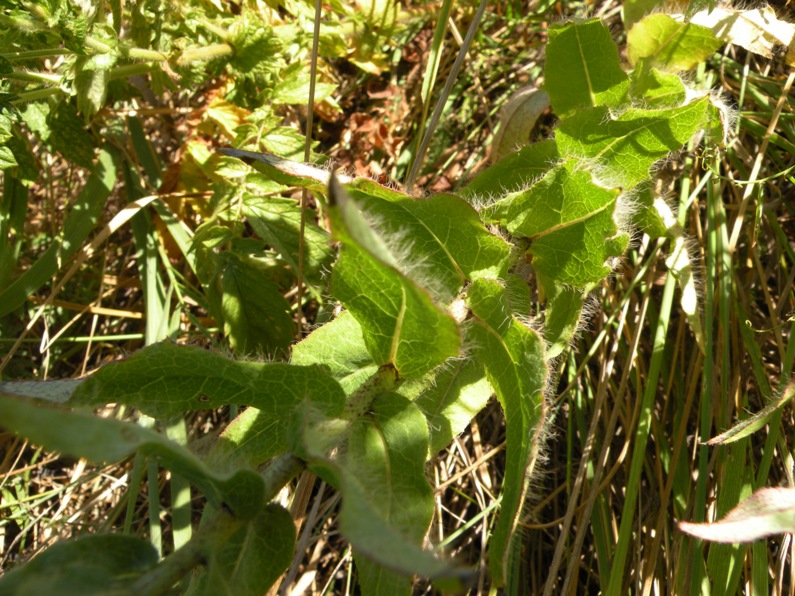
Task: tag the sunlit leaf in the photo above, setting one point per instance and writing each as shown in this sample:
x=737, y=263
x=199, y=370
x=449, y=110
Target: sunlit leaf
x=767, y=512
x=753, y=423
x=669, y=43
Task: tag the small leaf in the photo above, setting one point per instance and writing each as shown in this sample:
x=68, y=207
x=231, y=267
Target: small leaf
x=91, y=81
x=562, y=315
x=277, y=221
x=657, y=89
x=513, y=356
x=68, y=135
x=251, y=560
x=518, y=119
x=767, y=512
x=583, y=68
x=102, y=440
x=256, y=317
x=670, y=44
x=93, y=564
x=752, y=424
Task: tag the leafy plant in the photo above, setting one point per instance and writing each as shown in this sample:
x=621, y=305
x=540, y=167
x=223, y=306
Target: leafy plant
x=438, y=315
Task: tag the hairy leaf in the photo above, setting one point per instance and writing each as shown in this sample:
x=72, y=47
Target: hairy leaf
x=753, y=423
x=583, y=69
x=103, y=440
x=397, y=315
x=670, y=44
x=93, y=564
x=513, y=356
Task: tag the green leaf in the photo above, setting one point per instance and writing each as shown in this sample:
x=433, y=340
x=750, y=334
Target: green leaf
x=253, y=559
x=68, y=135
x=627, y=146
x=91, y=81
x=294, y=87
x=78, y=224
x=767, y=512
x=365, y=514
x=257, y=50
x=562, y=315
x=339, y=347
x=634, y=10
x=569, y=218
x=458, y=392
x=164, y=380
x=277, y=221
x=583, y=69
x=256, y=317
x=56, y=391
x=513, y=173
x=102, y=440
x=670, y=44
x=756, y=422
x=388, y=447
x=513, y=356
x=93, y=564
x=396, y=314
x=657, y=89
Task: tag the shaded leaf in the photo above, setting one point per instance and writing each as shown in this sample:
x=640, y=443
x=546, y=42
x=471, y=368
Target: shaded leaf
x=752, y=424
x=251, y=560
x=767, y=512
x=94, y=564
x=91, y=81
x=657, y=89
x=518, y=118
x=68, y=135
x=513, y=356
x=102, y=440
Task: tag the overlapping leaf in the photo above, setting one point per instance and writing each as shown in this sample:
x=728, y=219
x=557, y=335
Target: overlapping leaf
x=165, y=380
x=513, y=356
x=251, y=560
x=624, y=148
x=569, y=218
x=103, y=440
x=671, y=44
x=401, y=323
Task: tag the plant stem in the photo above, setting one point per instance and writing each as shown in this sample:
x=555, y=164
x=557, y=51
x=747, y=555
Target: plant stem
x=32, y=54
x=205, y=53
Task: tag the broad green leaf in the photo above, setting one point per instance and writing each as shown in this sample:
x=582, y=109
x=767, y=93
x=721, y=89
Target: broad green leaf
x=670, y=44
x=7, y=159
x=657, y=89
x=339, y=347
x=583, y=69
x=91, y=81
x=513, y=356
x=277, y=221
x=78, y=224
x=362, y=517
x=253, y=559
x=164, y=380
x=102, y=440
x=627, y=146
x=93, y=564
x=458, y=392
x=569, y=219
x=256, y=317
x=513, y=173
x=767, y=512
x=401, y=323
x=388, y=447
x=294, y=88
x=756, y=422
x=257, y=49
